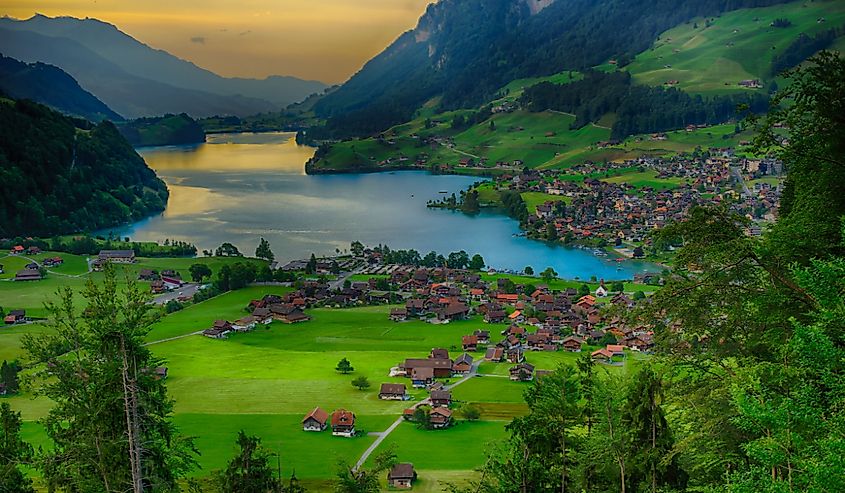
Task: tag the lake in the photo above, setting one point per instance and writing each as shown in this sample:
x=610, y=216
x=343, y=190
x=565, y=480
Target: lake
x=238, y=188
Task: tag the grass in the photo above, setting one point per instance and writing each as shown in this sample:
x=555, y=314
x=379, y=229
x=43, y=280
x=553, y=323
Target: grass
x=711, y=59
x=645, y=179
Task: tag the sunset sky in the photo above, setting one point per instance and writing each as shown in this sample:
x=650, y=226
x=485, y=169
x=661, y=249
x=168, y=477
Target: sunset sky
x=326, y=40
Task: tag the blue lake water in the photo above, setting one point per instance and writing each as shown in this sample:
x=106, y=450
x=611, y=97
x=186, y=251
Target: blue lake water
x=241, y=187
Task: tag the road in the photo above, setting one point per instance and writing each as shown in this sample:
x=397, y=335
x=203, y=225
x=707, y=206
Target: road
x=473, y=371
x=188, y=290
x=338, y=283
x=738, y=175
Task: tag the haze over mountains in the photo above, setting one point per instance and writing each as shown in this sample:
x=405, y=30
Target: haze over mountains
x=136, y=80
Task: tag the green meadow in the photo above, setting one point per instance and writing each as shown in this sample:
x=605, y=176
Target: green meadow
x=710, y=56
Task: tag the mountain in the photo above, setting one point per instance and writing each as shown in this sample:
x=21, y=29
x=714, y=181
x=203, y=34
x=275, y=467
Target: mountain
x=162, y=131
x=53, y=87
x=464, y=51
x=65, y=175
x=141, y=60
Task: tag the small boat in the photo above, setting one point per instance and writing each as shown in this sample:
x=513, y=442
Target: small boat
x=443, y=191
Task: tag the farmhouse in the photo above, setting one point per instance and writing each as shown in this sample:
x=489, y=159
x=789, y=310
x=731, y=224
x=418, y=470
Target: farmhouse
x=401, y=476
x=393, y=392
x=522, y=372
x=483, y=336
x=316, y=420
x=117, y=256
x=421, y=377
x=28, y=275
x=462, y=365
x=16, y=250
x=244, y=324
x=572, y=344
x=602, y=355
x=469, y=343
x=441, y=417
x=263, y=315
x=219, y=330
x=15, y=317
x=399, y=314
x=343, y=423
x=441, y=398
x=495, y=354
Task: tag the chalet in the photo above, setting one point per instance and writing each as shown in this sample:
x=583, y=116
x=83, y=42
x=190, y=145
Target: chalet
x=441, y=367
x=572, y=344
x=440, y=417
x=515, y=355
x=147, y=275
x=438, y=353
x=482, y=336
x=416, y=307
x=316, y=420
x=117, y=256
x=538, y=341
x=263, y=316
x=469, y=343
x=343, y=423
x=523, y=372
x=28, y=275
x=401, y=476
x=16, y=250
x=454, y=311
x=53, y=261
x=462, y=365
x=516, y=317
x=643, y=343
x=422, y=377
x=15, y=317
x=441, y=398
x=288, y=313
x=399, y=314
x=219, y=330
x=750, y=84
x=157, y=287
x=495, y=316
x=602, y=355
x=408, y=414
x=33, y=250
x=495, y=354
x=244, y=324
x=393, y=392
x=616, y=349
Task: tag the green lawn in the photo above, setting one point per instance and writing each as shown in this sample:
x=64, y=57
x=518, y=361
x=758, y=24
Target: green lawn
x=643, y=179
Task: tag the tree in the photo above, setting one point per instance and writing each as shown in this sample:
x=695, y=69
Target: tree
x=548, y=275
x=551, y=232
x=617, y=287
x=458, y=260
x=357, y=248
x=584, y=290
x=422, y=417
x=227, y=250
x=9, y=376
x=363, y=480
x=311, y=266
x=529, y=271
x=639, y=252
x=199, y=272
x=470, y=204
x=471, y=412
x=110, y=421
x=250, y=470
x=14, y=452
x=344, y=366
x=361, y=383
x=477, y=262
x=263, y=251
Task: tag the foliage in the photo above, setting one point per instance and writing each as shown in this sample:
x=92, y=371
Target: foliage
x=250, y=470
x=804, y=47
x=162, y=130
x=9, y=376
x=108, y=183
x=235, y=276
x=344, y=366
x=199, y=272
x=14, y=452
x=360, y=383
x=363, y=480
x=173, y=306
x=471, y=412
x=227, y=250
x=110, y=422
x=263, y=251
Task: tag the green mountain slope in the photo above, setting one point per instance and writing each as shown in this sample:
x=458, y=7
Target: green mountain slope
x=63, y=175
x=52, y=86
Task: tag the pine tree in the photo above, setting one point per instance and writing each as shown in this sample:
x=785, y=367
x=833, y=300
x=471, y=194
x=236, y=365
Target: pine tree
x=13, y=453
x=263, y=251
x=250, y=470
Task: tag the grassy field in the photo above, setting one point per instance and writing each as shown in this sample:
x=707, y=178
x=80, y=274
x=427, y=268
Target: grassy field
x=645, y=179
x=711, y=58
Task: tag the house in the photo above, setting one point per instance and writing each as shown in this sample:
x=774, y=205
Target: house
x=515, y=355
x=616, y=349
x=516, y=317
x=52, y=261
x=15, y=317
x=602, y=355
x=421, y=377
x=462, y=365
x=399, y=314
x=522, y=372
x=495, y=354
x=401, y=476
x=263, y=315
x=441, y=367
x=495, y=316
x=343, y=423
x=469, y=343
x=572, y=344
x=440, y=398
x=393, y=392
x=148, y=275
x=288, y=313
x=483, y=336
x=117, y=256
x=453, y=311
x=315, y=420
x=160, y=372
x=28, y=275
x=219, y=330
x=440, y=417
x=245, y=324
x=16, y=250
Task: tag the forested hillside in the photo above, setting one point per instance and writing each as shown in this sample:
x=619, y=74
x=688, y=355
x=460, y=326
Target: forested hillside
x=52, y=86
x=64, y=175
x=466, y=50
x=162, y=130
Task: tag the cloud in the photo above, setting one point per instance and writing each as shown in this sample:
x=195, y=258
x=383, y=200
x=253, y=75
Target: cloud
x=198, y=40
